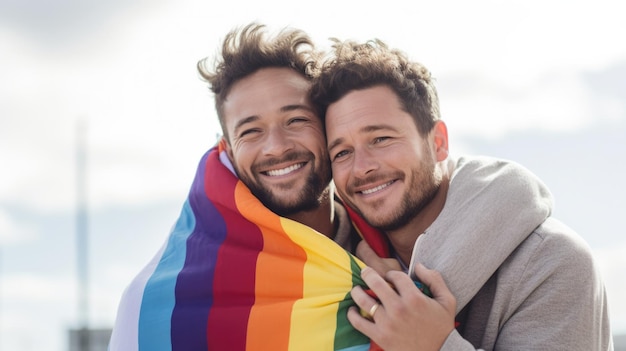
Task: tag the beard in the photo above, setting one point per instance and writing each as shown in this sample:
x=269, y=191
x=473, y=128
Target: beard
x=424, y=181
x=314, y=191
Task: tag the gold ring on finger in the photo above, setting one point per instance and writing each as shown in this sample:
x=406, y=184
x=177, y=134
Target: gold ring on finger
x=373, y=309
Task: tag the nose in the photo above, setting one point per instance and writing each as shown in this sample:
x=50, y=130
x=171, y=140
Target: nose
x=364, y=162
x=277, y=142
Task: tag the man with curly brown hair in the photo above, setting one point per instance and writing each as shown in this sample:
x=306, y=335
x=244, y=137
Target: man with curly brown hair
x=390, y=161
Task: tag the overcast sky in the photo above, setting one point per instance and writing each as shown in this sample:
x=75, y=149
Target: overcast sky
x=539, y=82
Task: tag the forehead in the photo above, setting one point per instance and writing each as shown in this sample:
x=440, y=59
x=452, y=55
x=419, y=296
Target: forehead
x=266, y=91
x=359, y=110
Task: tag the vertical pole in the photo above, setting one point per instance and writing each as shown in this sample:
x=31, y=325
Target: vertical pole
x=1, y=324
x=81, y=237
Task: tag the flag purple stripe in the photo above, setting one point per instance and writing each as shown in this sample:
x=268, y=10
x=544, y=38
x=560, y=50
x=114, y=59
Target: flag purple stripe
x=194, y=286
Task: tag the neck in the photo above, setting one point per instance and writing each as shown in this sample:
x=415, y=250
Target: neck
x=403, y=239
x=320, y=218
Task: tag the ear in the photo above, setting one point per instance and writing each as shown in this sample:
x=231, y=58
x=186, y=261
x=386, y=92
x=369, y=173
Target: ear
x=440, y=138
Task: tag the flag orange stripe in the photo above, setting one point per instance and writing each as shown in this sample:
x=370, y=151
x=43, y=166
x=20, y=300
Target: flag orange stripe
x=279, y=255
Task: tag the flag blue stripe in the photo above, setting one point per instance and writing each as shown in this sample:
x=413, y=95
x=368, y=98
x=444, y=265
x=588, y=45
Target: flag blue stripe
x=155, y=323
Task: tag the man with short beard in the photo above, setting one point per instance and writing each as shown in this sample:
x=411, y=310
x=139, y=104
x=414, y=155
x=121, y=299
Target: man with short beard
x=389, y=154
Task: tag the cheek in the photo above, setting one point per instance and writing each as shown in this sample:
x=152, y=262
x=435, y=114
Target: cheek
x=313, y=143
x=315, y=138
x=242, y=158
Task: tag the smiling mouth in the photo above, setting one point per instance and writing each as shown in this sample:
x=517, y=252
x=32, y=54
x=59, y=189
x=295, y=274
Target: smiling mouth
x=375, y=189
x=283, y=171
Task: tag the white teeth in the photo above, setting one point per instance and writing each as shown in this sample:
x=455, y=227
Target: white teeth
x=373, y=190
x=279, y=172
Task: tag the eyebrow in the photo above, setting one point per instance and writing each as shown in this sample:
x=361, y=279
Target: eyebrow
x=366, y=129
x=295, y=107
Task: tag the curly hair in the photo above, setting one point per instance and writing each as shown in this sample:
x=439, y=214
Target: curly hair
x=356, y=66
x=248, y=49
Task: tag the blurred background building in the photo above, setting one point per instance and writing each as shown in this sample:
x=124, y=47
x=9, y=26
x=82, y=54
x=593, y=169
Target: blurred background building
x=89, y=339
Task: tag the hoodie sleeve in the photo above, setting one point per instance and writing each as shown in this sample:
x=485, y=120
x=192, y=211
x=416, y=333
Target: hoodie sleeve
x=491, y=207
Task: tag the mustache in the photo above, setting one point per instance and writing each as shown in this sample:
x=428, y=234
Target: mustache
x=289, y=157
x=359, y=182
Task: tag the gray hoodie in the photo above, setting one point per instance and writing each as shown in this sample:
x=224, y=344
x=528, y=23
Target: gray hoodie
x=522, y=280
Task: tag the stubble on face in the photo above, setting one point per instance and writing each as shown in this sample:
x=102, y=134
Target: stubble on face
x=309, y=196
x=424, y=181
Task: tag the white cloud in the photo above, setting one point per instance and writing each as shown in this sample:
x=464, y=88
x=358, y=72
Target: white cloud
x=13, y=233
x=558, y=102
x=150, y=117
x=35, y=312
x=567, y=35
x=37, y=288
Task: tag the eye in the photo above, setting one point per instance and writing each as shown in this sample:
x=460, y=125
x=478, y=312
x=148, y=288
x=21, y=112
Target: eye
x=339, y=155
x=380, y=139
x=249, y=132
x=296, y=120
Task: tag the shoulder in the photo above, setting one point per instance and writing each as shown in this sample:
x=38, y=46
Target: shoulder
x=486, y=166
x=549, y=273
x=487, y=169
x=554, y=256
x=499, y=180
x=555, y=243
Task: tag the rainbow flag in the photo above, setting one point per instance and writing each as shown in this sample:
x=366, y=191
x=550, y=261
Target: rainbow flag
x=235, y=276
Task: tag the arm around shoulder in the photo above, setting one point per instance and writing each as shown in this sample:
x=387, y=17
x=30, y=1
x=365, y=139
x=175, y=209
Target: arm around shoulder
x=490, y=203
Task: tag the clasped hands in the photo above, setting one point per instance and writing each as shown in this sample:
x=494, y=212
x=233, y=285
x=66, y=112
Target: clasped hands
x=399, y=316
